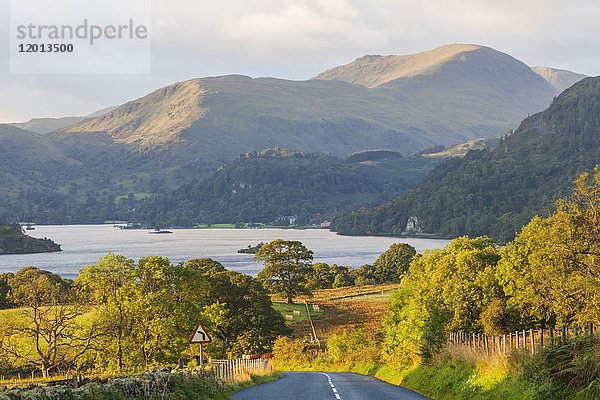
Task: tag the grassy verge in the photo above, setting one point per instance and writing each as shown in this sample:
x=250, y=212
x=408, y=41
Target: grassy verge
x=567, y=371
x=149, y=386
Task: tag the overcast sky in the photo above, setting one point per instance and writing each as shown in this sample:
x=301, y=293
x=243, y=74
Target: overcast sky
x=298, y=39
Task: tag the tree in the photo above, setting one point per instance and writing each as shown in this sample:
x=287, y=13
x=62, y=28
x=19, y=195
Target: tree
x=444, y=290
x=154, y=305
x=5, y=290
x=365, y=275
x=233, y=306
x=287, y=264
x=51, y=328
x=342, y=276
x=394, y=262
x=109, y=285
x=321, y=277
x=551, y=271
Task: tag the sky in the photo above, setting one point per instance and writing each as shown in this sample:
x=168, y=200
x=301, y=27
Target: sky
x=298, y=39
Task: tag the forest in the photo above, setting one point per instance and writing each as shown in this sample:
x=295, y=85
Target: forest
x=497, y=192
x=275, y=183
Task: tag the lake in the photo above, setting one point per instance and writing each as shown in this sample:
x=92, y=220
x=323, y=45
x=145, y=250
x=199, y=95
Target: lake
x=85, y=244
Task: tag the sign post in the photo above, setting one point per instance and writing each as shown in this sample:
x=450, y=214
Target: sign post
x=200, y=336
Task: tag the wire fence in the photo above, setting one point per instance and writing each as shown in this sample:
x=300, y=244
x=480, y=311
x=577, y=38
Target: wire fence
x=529, y=340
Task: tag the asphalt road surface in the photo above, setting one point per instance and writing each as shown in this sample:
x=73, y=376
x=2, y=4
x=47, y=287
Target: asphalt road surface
x=327, y=386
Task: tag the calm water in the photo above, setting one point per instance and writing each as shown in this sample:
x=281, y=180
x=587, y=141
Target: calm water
x=85, y=244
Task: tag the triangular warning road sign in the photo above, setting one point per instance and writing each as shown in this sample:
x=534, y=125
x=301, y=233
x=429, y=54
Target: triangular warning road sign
x=200, y=336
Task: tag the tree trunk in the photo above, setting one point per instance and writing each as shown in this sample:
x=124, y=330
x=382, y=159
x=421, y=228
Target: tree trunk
x=290, y=300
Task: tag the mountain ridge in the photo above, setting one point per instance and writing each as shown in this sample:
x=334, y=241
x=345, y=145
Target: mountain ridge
x=375, y=70
x=560, y=79
x=444, y=96
x=47, y=125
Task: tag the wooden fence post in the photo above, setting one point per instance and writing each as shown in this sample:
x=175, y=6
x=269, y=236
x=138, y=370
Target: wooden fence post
x=532, y=341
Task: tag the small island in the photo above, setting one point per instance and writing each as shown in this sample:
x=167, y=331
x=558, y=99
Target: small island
x=14, y=241
x=251, y=249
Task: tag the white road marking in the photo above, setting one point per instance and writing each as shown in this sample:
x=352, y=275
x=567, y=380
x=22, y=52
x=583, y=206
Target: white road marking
x=335, y=392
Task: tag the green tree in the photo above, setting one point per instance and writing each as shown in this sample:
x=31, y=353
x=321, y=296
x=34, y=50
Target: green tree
x=154, y=307
x=5, y=290
x=342, y=276
x=551, y=271
x=365, y=275
x=321, y=277
x=109, y=286
x=444, y=290
x=287, y=266
x=394, y=262
x=51, y=334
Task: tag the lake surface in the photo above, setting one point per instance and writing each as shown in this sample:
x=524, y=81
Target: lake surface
x=85, y=244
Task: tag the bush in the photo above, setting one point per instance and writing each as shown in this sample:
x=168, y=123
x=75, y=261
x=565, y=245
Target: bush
x=290, y=354
x=351, y=347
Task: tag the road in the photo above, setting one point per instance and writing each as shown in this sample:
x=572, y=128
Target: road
x=329, y=386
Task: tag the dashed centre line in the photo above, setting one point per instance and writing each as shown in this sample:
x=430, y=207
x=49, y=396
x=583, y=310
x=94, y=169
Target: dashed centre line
x=335, y=392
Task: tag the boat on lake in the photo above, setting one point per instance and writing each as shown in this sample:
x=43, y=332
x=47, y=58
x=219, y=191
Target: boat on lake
x=159, y=231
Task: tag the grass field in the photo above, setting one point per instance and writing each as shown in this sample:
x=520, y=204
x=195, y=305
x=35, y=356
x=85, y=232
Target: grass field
x=288, y=309
x=341, y=309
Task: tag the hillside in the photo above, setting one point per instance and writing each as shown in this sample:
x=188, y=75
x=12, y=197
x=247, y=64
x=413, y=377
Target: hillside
x=373, y=71
x=272, y=184
x=497, y=192
x=14, y=241
x=461, y=149
x=47, y=125
x=96, y=169
x=560, y=79
x=403, y=103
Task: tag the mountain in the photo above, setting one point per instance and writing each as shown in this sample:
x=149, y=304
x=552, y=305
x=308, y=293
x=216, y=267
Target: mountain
x=560, y=79
x=272, y=184
x=47, y=125
x=403, y=103
x=99, y=167
x=497, y=192
x=14, y=241
x=374, y=70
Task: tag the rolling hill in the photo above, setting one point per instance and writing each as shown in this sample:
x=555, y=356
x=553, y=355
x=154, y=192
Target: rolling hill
x=497, y=192
x=405, y=103
x=269, y=185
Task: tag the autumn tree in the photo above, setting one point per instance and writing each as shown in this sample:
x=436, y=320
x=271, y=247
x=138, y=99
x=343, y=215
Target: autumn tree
x=287, y=265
